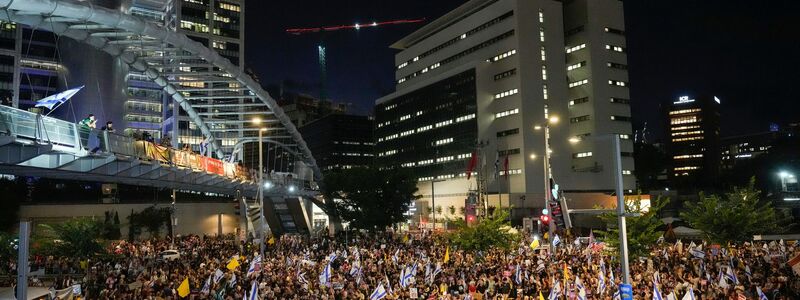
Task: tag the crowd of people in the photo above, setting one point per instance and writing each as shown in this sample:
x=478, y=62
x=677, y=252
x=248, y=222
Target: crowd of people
x=425, y=266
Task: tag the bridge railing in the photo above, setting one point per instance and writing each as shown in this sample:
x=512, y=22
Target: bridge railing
x=19, y=123
x=69, y=137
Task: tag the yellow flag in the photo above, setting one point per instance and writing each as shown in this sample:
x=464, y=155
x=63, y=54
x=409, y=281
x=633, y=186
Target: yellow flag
x=183, y=289
x=405, y=239
x=271, y=241
x=566, y=273
x=535, y=244
x=447, y=255
x=545, y=235
x=540, y=296
x=233, y=264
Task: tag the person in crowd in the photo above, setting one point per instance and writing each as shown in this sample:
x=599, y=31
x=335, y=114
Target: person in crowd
x=85, y=128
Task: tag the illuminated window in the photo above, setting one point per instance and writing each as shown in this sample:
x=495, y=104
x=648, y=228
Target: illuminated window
x=619, y=100
x=687, y=156
x=576, y=48
x=443, y=141
x=578, y=83
x=506, y=113
x=510, y=172
x=544, y=91
x=684, y=111
x=578, y=101
x=627, y=172
x=541, y=34
x=506, y=93
x=682, y=133
x=444, y=123
x=617, y=66
x=544, y=55
x=615, y=48
x=465, y=118
x=614, y=31
x=464, y=156
x=403, y=65
x=231, y=7
x=582, y=154
x=683, y=120
x=575, y=66
x=390, y=107
x=617, y=82
x=692, y=138
x=407, y=132
x=687, y=168
x=406, y=117
x=504, y=55
x=544, y=72
x=541, y=16
x=424, y=128
x=445, y=159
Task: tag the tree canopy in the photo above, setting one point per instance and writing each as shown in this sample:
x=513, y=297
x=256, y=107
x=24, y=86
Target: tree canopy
x=642, y=226
x=489, y=232
x=734, y=216
x=370, y=198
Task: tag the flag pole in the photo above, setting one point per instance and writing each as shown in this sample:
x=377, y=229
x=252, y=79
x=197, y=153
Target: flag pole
x=54, y=108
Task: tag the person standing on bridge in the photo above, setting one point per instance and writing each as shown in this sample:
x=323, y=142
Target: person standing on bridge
x=85, y=127
x=109, y=127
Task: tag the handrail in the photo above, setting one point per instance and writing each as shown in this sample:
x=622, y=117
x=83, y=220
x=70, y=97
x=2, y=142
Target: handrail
x=71, y=138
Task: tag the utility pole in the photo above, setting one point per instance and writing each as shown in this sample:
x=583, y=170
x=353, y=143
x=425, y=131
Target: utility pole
x=22, y=260
x=173, y=220
x=623, y=232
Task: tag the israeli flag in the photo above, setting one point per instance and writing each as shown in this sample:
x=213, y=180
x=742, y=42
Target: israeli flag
x=518, y=276
x=325, y=277
x=379, y=293
x=302, y=278
x=356, y=268
x=732, y=275
x=57, y=99
x=254, y=291
x=697, y=253
x=656, y=293
x=395, y=258
x=689, y=295
x=556, y=240
x=761, y=295
x=206, y=287
x=233, y=280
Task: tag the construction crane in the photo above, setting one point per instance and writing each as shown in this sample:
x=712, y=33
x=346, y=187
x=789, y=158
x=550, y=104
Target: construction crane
x=326, y=29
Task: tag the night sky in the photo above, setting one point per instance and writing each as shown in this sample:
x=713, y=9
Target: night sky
x=744, y=52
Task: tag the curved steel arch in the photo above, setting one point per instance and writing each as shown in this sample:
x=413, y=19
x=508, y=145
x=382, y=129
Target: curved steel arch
x=97, y=26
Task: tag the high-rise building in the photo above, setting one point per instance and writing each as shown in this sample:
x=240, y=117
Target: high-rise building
x=340, y=141
x=693, y=143
x=484, y=76
x=219, y=25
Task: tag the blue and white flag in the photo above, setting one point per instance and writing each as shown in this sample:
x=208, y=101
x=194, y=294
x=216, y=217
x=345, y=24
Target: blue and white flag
x=761, y=295
x=379, y=293
x=689, y=294
x=611, y=275
x=518, y=276
x=697, y=253
x=747, y=271
x=581, y=288
x=732, y=275
x=395, y=258
x=555, y=291
x=255, y=265
x=406, y=275
x=556, y=240
x=325, y=277
x=57, y=99
x=355, y=268
x=436, y=272
x=253, y=291
x=601, y=279
x=232, y=283
x=218, y=275
x=656, y=293
x=427, y=270
x=616, y=295
x=302, y=278
x=206, y=287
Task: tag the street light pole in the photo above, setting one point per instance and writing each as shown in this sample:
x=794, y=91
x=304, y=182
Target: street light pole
x=623, y=231
x=546, y=163
x=261, y=188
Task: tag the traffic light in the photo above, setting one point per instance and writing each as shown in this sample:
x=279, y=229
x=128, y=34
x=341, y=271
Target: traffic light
x=545, y=220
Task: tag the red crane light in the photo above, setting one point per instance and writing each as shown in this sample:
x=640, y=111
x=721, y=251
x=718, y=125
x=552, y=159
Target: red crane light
x=356, y=26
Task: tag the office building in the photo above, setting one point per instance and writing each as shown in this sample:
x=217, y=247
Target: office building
x=303, y=108
x=693, y=141
x=340, y=141
x=743, y=148
x=485, y=75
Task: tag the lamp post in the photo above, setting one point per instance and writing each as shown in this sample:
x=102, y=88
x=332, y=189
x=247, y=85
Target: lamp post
x=257, y=121
x=785, y=175
x=552, y=120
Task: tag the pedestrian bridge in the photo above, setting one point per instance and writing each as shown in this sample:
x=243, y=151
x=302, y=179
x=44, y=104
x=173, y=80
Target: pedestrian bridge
x=40, y=146
x=216, y=95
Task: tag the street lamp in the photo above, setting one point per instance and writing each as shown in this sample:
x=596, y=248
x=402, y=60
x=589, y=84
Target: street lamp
x=784, y=175
x=552, y=120
x=261, y=184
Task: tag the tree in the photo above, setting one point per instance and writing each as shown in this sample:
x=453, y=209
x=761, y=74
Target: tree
x=451, y=209
x=493, y=231
x=152, y=219
x=735, y=216
x=642, y=226
x=78, y=237
x=369, y=197
x=438, y=209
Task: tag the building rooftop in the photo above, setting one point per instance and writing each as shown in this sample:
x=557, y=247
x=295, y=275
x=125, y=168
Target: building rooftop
x=461, y=12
